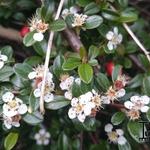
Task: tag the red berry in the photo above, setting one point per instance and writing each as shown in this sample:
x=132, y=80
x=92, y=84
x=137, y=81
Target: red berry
x=24, y=30
x=109, y=68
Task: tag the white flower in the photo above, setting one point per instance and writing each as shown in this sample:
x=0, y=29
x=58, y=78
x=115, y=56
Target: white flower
x=114, y=38
x=42, y=137
x=66, y=12
x=38, y=36
x=84, y=105
x=138, y=103
x=115, y=136
x=3, y=59
x=13, y=105
x=37, y=92
x=79, y=20
x=112, y=95
x=67, y=83
x=9, y=122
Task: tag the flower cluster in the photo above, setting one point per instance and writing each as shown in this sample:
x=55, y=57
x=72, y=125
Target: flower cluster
x=13, y=108
x=116, y=91
x=37, y=76
x=114, y=39
x=115, y=136
x=42, y=137
x=137, y=104
x=39, y=26
x=3, y=59
x=85, y=105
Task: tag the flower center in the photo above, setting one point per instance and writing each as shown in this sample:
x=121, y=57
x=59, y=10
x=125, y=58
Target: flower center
x=12, y=104
x=16, y=118
x=113, y=136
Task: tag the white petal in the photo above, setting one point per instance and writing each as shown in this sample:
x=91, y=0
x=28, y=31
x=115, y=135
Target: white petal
x=1, y=64
x=144, y=109
x=16, y=124
x=42, y=131
x=37, y=92
x=7, y=124
x=122, y=140
x=68, y=95
x=4, y=57
x=22, y=109
x=32, y=75
x=120, y=93
x=105, y=99
x=134, y=99
x=81, y=117
x=108, y=127
x=46, y=142
x=110, y=46
x=39, y=142
x=37, y=136
x=47, y=135
x=64, y=86
x=109, y=35
x=115, y=30
x=48, y=97
x=74, y=101
x=38, y=37
x=8, y=96
x=72, y=113
x=120, y=37
x=73, y=10
x=120, y=132
x=145, y=99
x=87, y=110
x=128, y=104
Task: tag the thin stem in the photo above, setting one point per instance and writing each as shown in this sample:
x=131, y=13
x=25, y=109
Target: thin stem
x=49, y=47
x=134, y=37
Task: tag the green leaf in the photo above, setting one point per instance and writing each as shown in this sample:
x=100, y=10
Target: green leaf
x=146, y=85
x=93, y=22
x=63, y=142
x=102, y=81
x=127, y=63
x=135, y=129
x=5, y=73
x=117, y=118
x=71, y=63
x=40, y=47
x=125, y=146
x=85, y=72
x=143, y=59
x=58, y=25
x=93, y=62
x=33, y=60
x=11, y=140
x=91, y=9
x=47, y=9
x=33, y=118
x=57, y=65
x=83, y=3
x=8, y=51
x=83, y=53
x=128, y=16
x=93, y=52
x=57, y=103
x=28, y=39
x=22, y=70
x=110, y=15
x=148, y=115
x=123, y=3
x=116, y=72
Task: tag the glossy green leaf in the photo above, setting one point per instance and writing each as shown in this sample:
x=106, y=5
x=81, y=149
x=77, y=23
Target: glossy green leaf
x=33, y=118
x=123, y=3
x=93, y=52
x=11, y=140
x=57, y=103
x=125, y=146
x=71, y=63
x=28, y=39
x=93, y=22
x=116, y=72
x=85, y=72
x=63, y=142
x=146, y=85
x=91, y=9
x=117, y=118
x=8, y=51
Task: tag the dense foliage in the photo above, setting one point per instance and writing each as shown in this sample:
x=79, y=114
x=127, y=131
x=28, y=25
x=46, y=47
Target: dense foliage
x=97, y=86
